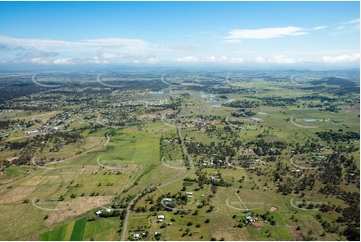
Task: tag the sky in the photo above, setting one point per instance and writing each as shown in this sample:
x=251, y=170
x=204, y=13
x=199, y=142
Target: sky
x=241, y=34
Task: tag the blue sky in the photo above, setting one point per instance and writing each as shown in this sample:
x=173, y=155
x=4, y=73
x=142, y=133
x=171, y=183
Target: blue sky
x=256, y=34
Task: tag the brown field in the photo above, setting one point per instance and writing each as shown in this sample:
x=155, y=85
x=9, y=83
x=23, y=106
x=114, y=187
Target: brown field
x=296, y=234
x=16, y=194
x=87, y=170
x=75, y=207
x=147, y=116
x=272, y=209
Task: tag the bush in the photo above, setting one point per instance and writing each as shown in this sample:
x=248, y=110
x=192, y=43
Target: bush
x=207, y=220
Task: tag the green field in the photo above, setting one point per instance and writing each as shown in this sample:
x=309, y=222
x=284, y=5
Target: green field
x=78, y=230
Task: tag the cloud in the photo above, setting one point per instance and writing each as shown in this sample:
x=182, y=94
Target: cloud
x=120, y=43
x=265, y=33
x=355, y=21
x=260, y=59
x=342, y=58
x=152, y=60
x=63, y=61
x=217, y=59
x=236, y=60
x=339, y=27
x=319, y=27
x=35, y=54
x=188, y=59
x=233, y=41
x=39, y=60
x=281, y=59
x=107, y=55
x=277, y=59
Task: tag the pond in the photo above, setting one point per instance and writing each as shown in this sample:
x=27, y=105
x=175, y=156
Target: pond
x=216, y=106
x=256, y=119
x=310, y=120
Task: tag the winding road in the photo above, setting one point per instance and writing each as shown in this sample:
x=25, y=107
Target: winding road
x=301, y=126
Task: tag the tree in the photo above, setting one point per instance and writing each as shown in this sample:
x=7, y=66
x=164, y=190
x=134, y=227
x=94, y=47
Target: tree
x=207, y=220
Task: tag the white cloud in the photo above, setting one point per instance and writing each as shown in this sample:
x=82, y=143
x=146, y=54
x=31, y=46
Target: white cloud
x=260, y=59
x=188, y=59
x=265, y=33
x=320, y=27
x=120, y=43
x=339, y=27
x=63, y=61
x=217, y=59
x=39, y=60
x=233, y=41
x=342, y=58
x=355, y=21
x=236, y=60
x=281, y=59
x=106, y=55
x=152, y=60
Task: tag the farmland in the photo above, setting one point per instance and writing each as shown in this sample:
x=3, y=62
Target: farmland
x=209, y=154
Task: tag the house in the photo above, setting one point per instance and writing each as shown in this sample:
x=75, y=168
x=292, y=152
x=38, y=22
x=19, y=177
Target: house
x=167, y=200
x=156, y=234
x=98, y=212
x=160, y=218
x=136, y=236
x=249, y=219
x=32, y=132
x=144, y=234
x=190, y=196
x=213, y=178
x=108, y=210
x=189, y=193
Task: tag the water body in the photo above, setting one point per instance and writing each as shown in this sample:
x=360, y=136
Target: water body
x=256, y=119
x=228, y=101
x=310, y=120
x=216, y=106
x=157, y=93
x=262, y=113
